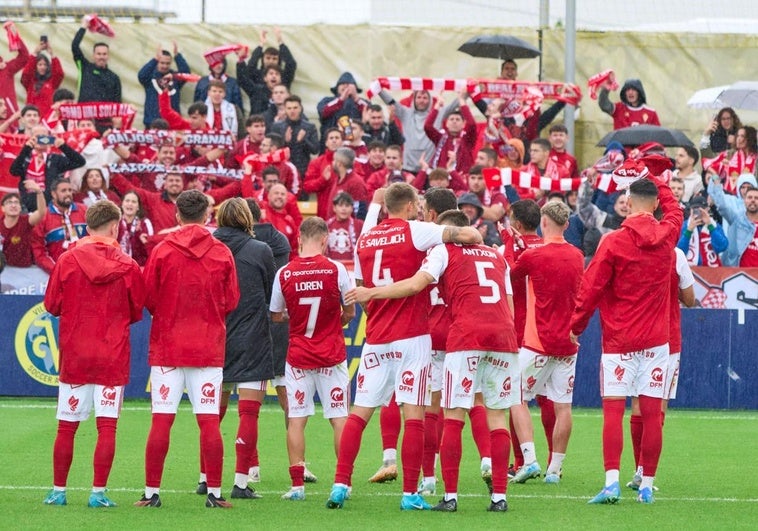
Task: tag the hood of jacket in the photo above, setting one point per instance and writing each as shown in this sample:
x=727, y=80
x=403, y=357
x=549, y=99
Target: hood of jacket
x=193, y=241
x=101, y=263
x=346, y=77
x=518, y=145
x=636, y=84
x=645, y=231
x=232, y=237
x=746, y=178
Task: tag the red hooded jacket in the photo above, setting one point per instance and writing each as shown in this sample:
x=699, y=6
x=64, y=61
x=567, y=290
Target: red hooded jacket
x=97, y=291
x=191, y=284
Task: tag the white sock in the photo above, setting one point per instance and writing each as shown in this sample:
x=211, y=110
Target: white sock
x=527, y=449
x=149, y=491
x=639, y=471
x=497, y=497
x=647, y=482
x=240, y=480
x=98, y=489
x=436, y=460
x=611, y=477
x=486, y=463
x=556, y=463
x=202, y=479
x=254, y=470
x=389, y=456
x=451, y=496
x=430, y=480
x=59, y=489
x=216, y=492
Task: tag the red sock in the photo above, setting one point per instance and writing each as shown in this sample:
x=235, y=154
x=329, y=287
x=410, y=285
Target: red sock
x=652, y=434
x=412, y=453
x=389, y=423
x=431, y=443
x=480, y=430
x=63, y=451
x=222, y=412
x=547, y=414
x=518, y=457
x=105, y=449
x=440, y=426
x=500, y=441
x=212, y=448
x=350, y=443
x=254, y=457
x=450, y=453
x=296, y=475
x=613, y=433
x=247, y=434
x=157, y=448
x=635, y=428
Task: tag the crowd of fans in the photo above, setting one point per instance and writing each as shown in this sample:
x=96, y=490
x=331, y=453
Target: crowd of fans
x=61, y=165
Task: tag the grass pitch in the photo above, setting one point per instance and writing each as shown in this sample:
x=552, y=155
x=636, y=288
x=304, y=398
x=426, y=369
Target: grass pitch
x=705, y=478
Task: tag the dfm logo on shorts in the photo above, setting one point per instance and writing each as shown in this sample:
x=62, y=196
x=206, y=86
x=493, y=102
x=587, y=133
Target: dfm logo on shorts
x=164, y=391
x=300, y=397
x=570, y=385
x=619, y=372
x=657, y=376
x=530, y=382
x=73, y=403
x=506, y=388
x=208, y=390
x=361, y=378
x=109, y=397
x=406, y=381
x=37, y=345
x=466, y=385
x=338, y=397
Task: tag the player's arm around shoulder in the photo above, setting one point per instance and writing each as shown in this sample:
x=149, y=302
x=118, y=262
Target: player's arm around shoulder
x=464, y=235
x=398, y=290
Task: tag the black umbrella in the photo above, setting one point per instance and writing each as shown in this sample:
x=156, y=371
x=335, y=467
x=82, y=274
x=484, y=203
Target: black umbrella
x=639, y=134
x=499, y=47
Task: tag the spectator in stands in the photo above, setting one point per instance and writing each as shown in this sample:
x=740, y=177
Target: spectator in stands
x=134, y=228
x=595, y=221
x=494, y=203
x=470, y=205
x=632, y=109
x=255, y=125
x=275, y=111
x=374, y=161
x=160, y=207
x=391, y=173
x=437, y=178
x=218, y=72
x=277, y=214
x=732, y=163
x=95, y=155
x=375, y=128
x=288, y=174
x=685, y=159
x=41, y=77
x=197, y=114
x=558, y=154
x=299, y=135
x=53, y=119
x=222, y=115
x=259, y=93
x=720, y=133
x=150, y=75
x=16, y=227
x=677, y=188
x=702, y=239
x=29, y=119
x=742, y=216
x=347, y=180
x=63, y=225
x=345, y=105
x=318, y=177
x=344, y=229
x=96, y=81
x=486, y=157
x=35, y=162
x=261, y=58
x=541, y=164
x=271, y=176
x=456, y=140
x=8, y=71
x=94, y=189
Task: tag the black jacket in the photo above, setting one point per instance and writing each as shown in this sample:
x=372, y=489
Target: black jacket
x=300, y=152
x=248, y=337
x=55, y=167
x=95, y=84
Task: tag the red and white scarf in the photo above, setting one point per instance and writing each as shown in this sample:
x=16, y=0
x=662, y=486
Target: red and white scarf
x=701, y=248
x=497, y=178
x=98, y=111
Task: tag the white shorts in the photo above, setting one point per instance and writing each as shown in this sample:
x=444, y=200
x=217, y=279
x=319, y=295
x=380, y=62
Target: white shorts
x=75, y=401
x=672, y=376
x=635, y=373
x=278, y=381
x=438, y=365
x=203, y=386
x=402, y=367
x=495, y=374
x=331, y=383
x=550, y=376
x=260, y=385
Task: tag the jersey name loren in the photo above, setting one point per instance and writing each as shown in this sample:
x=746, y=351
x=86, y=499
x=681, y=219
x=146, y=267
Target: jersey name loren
x=314, y=285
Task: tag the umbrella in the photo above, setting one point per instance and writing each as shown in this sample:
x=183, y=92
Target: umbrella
x=741, y=95
x=499, y=47
x=707, y=98
x=639, y=134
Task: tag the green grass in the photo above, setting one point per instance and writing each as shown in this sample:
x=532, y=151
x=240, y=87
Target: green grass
x=706, y=479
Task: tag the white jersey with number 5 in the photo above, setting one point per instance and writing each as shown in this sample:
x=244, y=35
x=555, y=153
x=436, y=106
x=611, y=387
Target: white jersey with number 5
x=391, y=251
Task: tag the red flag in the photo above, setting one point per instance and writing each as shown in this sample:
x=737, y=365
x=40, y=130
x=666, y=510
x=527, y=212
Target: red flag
x=97, y=25
x=14, y=39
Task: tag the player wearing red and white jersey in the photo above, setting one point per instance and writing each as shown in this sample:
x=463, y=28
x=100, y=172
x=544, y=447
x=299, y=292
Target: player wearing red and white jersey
x=474, y=280
x=682, y=290
x=552, y=273
x=396, y=355
x=629, y=279
x=309, y=292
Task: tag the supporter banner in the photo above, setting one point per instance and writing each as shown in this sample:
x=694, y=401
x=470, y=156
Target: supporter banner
x=726, y=287
x=97, y=111
x=258, y=160
x=223, y=139
x=497, y=177
x=135, y=167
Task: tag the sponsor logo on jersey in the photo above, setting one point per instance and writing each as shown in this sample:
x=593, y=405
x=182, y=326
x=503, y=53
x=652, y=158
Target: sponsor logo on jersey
x=36, y=345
